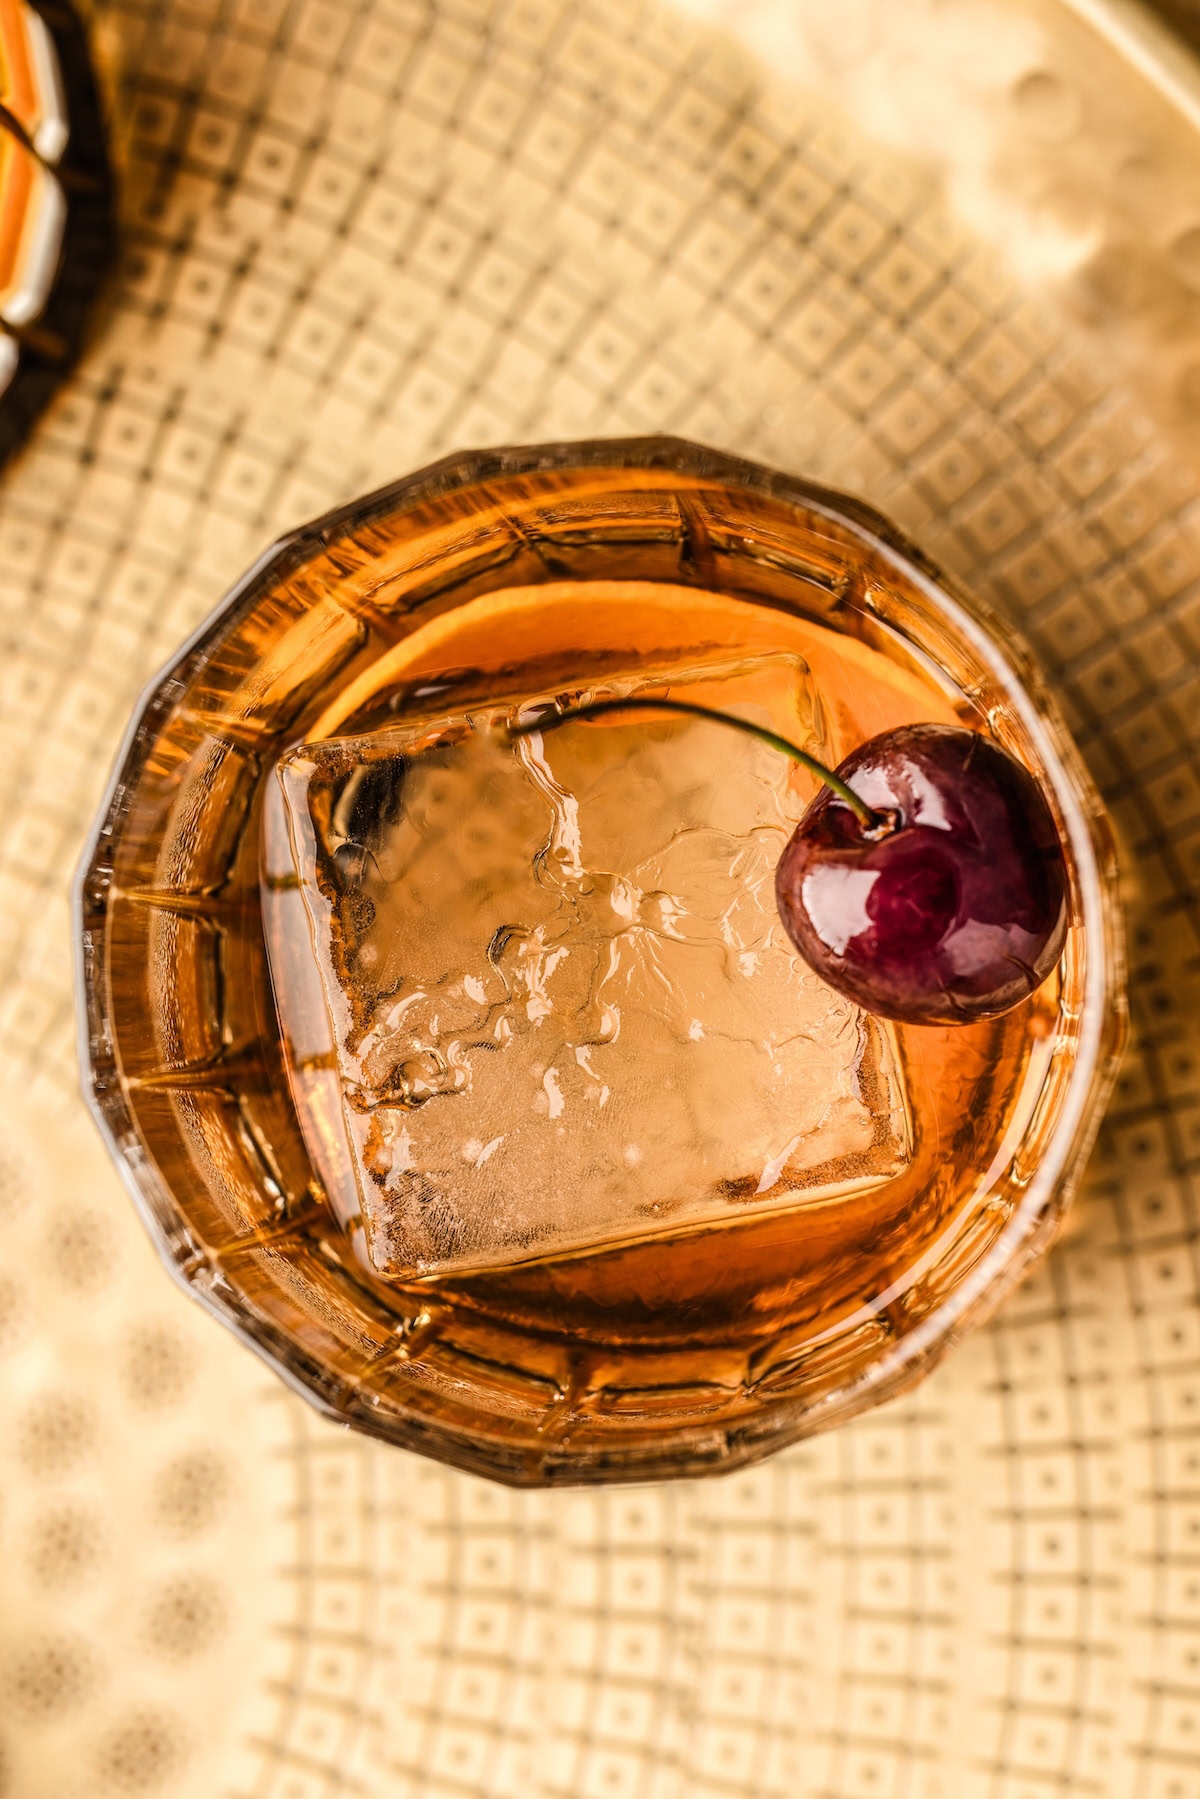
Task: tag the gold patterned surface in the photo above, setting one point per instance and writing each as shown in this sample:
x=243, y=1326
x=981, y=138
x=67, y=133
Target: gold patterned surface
x=946, y=255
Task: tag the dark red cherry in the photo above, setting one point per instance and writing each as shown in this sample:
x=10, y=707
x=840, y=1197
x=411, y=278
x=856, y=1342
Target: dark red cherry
x=953, y=909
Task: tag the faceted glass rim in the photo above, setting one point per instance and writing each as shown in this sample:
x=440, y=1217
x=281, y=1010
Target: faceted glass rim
x=998, y=647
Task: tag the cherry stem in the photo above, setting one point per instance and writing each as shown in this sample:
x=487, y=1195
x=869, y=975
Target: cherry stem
x=551, y=721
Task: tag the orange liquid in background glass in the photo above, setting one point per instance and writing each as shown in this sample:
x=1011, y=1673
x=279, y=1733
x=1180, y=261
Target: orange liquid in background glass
x=711, y=1279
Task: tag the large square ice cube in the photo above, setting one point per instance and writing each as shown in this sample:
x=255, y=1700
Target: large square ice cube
x=536, y=994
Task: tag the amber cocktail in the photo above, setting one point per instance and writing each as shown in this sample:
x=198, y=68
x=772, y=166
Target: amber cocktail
x=471, y=1076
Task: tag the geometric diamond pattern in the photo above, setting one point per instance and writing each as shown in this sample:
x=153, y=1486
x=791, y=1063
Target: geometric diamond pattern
x=942, y=261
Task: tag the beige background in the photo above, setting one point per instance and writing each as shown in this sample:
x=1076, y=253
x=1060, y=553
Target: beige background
x=946, y=254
